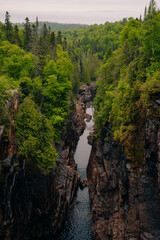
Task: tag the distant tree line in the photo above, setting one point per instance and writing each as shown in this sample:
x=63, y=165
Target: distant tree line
x=54, y=26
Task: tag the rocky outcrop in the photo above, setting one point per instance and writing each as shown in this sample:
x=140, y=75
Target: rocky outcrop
x=8, y=144
x=88, y=117
x=91, y=137
x=87, y=93
x=33, y=204
x=85, y=96
x=83, y=183
x=125, y=198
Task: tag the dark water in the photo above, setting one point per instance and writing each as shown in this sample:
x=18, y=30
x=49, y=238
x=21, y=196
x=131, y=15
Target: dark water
x=78, y=222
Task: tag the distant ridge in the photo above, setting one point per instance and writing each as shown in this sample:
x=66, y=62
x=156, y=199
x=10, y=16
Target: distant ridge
x=54, y=26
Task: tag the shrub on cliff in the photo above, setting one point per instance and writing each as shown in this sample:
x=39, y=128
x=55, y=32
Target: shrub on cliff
x=6, y=86
x=35, y=133
x=127, y=82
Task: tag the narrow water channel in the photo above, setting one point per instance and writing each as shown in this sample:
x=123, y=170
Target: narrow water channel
x=78, y=222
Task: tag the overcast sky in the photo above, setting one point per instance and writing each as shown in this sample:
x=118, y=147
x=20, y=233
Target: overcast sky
x=46, y=7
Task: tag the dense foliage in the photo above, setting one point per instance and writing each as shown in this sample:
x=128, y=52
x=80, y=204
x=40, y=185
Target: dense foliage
x=41, y=70
x=47, y=67
x=128, y=80
x=88, y=47
x=35, y=135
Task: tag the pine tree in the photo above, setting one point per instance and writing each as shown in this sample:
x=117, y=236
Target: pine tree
x=145, y=13
x=44, y=31
x=8, y=28
x=53, y=39
x=152, y=8
x=53, y=45
x=65, y=44
x=44, y=48
x=37, y=23
x=27, y=34
x=151, y=12
x=140, y=18
x=44, y=40
x=34, y=43
x=16, y=38
x=59, y=38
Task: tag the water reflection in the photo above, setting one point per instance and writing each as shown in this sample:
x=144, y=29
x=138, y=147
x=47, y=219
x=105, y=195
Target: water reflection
x=78, y=222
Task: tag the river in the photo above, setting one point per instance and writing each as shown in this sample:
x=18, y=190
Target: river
x=79, y=220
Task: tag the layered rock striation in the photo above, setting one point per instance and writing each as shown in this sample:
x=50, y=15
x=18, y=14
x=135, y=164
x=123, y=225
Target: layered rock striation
x=125, y=197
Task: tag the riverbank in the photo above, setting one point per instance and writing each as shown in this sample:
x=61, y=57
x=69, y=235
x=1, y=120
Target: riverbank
x=34, y=204
x=78, y=223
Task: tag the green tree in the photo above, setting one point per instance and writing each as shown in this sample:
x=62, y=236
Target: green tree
x=14, y=62
x=65, y=44
x=53, y=45
x=2, y=33
x=59, y=37
x=16, y=37
x=58, y=90
x=27, y=34
x=152, y=8
x=45, y=42
x=151, y=36
x=145, y=13
x=35, y=135
x=53, y=40
x=8, y=28
x=34, y=41
x=44, y=48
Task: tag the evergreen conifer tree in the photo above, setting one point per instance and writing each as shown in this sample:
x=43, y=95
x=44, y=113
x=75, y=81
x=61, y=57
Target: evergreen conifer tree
x=8, y=28
x=65, y=44
x=27, y=34
x=145, y=13
x=53, y=39
x=16, y=38
x=59, y=37
x=34, y=43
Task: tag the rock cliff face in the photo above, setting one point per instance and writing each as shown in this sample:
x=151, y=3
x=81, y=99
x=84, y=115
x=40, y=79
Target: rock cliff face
x=125, y=198
x=33, y=205
x=8, y=144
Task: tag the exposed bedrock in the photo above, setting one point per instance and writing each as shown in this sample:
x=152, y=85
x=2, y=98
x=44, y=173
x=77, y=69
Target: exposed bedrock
x=87, y=93
x=33, y=205
x=125, y=198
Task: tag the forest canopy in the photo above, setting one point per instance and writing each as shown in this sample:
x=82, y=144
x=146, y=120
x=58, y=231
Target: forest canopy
x=128, y=80
x=47, y=67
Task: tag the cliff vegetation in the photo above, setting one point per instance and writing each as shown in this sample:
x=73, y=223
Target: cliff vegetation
x=129, y=80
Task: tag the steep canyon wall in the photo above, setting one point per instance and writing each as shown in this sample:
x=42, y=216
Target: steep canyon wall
x=126, y=197
x=33, y=205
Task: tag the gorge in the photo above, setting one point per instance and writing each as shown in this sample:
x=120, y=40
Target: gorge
x=124, y=200
x=34, y=204
x=80, y=130
x=79, y=220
